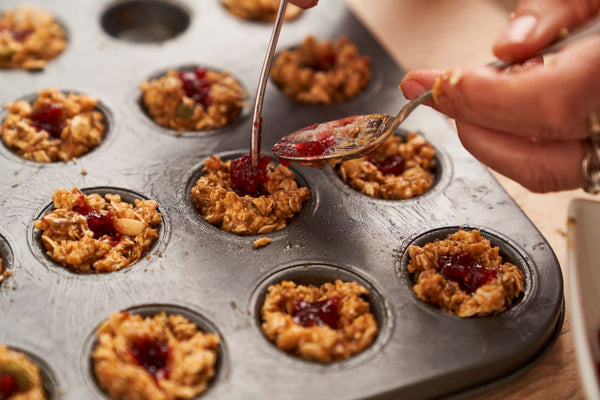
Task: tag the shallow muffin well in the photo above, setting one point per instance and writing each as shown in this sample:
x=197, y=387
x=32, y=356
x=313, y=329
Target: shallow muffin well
x=47, y=378
x=7, y=259
x=507, y=251
x=127, y=196
x=150, y=21
x=202, y=324
x=55, y=150
x=164, y=100
x=199, y=172
x=316, y=274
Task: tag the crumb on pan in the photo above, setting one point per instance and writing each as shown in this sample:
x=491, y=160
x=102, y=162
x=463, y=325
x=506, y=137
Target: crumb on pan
x=91, y=233
x=348, y=329
x=198, y=99
x=222, y=207
x=29, y=38
x=163, y=357
x=260, y=10
x=411, y=176
x=55, y=127
x=261, y=242
x=490, y=289
x=322, y=72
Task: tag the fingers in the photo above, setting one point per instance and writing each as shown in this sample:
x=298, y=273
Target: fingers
x=547, y=102
x=539, y=166
x=304, y=3
x=537, y=23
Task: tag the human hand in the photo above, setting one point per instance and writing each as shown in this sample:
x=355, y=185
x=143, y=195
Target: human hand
x=528, y=122
x=304, y=3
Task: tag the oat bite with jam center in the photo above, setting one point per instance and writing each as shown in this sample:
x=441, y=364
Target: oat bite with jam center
x=464, y=275
x=267, y=207
x=163, y=357
x=193, y=99
x=29, y=38
x=260, y=10
x=55, y=127
x=91, y=233
x=327, y=323
x=20, y=377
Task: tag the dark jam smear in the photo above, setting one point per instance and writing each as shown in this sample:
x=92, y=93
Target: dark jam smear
x=50, y=118
x=8, y=386
x=246, y=179
x=19, y=36
x=466, y=271
x=324, y=312
x=392, y=165
x=153, y=355
x=100, y=223
x=196, y=86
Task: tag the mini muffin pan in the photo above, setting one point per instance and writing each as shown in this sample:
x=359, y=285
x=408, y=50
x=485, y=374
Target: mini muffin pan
x=217, y=277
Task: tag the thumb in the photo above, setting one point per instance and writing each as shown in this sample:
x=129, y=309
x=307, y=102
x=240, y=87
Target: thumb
x=537, y=23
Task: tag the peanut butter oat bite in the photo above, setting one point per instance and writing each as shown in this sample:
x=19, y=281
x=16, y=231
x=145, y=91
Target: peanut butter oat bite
x=91, y=233
x=464, y=275
x=326, y=323
x=197, y=99
x=19, y=377
x=267, y=205
x=153, y=358
x=398, y=169
x=322, y=72
x=55, y=127
x=29, y=38
x=260, y=10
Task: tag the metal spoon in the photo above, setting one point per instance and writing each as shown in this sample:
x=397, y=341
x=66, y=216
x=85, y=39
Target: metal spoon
x=352, y=137
x=262, y=84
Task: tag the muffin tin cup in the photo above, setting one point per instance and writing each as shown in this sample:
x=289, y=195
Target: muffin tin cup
x=50, y=383
x=419, y=353
x=86, y=362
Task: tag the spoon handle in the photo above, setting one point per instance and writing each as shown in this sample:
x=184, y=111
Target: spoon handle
x=262, y=83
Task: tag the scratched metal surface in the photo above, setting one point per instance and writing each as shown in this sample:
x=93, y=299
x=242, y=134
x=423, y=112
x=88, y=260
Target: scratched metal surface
x=217, y=278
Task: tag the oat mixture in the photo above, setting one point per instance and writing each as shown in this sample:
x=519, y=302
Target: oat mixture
x=20, y=376
x=288, y=322
x=153, y=358
x=222, y=207
x=488, y=291
x=322, y=72
x=29, y=38
x=4, y=273
x=414, y=177
x=261, y=10
x=189, y=100
x=89, y=233
x=56, y=127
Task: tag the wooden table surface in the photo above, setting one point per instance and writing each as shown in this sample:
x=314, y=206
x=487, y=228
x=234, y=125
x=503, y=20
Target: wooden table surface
x=446, y=34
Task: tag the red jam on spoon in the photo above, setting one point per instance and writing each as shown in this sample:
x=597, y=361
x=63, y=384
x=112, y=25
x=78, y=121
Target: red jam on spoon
x=324, y=312
x=466, y=271
x=153, y=355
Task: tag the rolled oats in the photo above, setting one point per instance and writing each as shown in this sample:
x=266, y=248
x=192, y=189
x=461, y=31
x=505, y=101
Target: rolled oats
x=190, y=357
x=70, y=240
x=493, y=297
x=322, y=72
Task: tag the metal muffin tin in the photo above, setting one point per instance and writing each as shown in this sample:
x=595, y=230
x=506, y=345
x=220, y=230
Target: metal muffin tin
x=217, y=278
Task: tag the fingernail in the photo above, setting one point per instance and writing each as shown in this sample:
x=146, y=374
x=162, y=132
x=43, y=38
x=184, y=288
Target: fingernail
x=519, y=29
x=411, y=88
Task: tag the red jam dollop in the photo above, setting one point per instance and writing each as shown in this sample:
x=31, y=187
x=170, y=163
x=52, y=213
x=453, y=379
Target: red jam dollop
x=196, y=86
x=324, y=312
x=246, y=179
x=466, y=271
x=153, y=355
x=324, y=62
x=49, y=118
x=8, y=386
x=101, y=224
x=392, y=165
x=19, y=36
